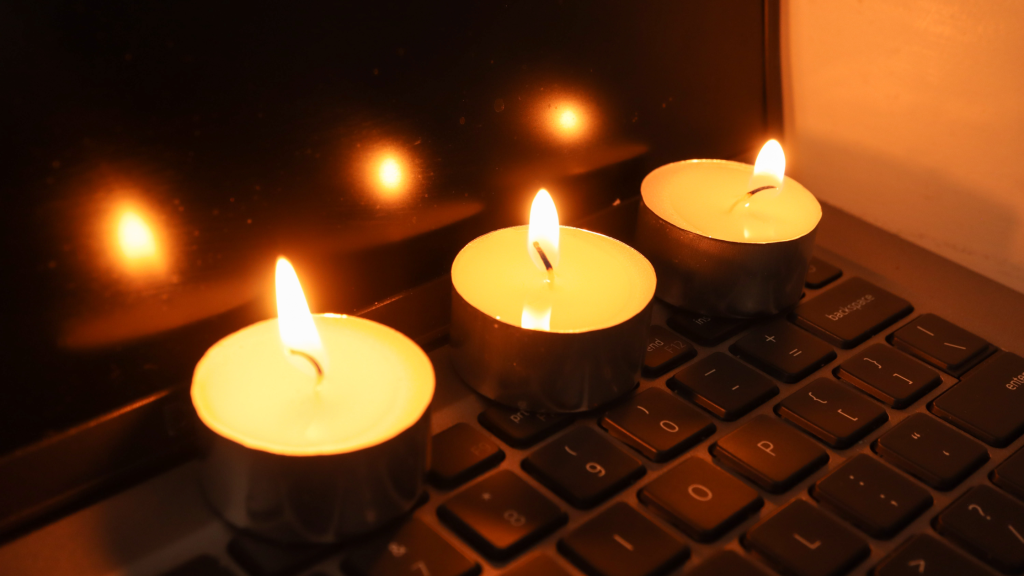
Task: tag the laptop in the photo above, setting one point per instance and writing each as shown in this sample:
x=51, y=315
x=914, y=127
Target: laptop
x=169, y=154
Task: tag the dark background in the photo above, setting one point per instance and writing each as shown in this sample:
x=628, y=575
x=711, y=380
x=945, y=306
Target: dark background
x=241, y=133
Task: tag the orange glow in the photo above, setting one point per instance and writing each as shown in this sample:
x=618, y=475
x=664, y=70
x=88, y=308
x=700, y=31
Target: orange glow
x=769, y=169
x=536, y=317
x=295, y=324
x=544, y=231
x=135, y=237
x=390, y=173
x=568, y=120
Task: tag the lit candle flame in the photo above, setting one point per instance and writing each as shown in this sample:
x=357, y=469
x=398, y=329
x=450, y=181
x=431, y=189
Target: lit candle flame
x=299, y=337
x=769, y=170
x=135, y=237
x=542, y=238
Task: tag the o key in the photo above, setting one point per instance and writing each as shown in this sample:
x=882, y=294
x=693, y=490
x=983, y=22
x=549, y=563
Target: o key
x=704, y=514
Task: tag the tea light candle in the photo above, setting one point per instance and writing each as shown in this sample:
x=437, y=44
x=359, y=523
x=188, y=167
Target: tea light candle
x=321, y=423
x=727, y=238
x=548, y=317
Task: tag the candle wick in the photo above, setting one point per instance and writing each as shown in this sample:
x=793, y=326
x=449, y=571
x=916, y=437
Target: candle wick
x=544, y=259
x=746, y=197
x=316, y=365
x=762, y=188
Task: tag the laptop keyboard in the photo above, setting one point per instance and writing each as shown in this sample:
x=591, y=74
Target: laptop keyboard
x=843, y=438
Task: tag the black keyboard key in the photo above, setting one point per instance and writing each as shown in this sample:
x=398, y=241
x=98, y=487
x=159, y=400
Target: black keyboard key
x=461, y=453
x=204, y=565
x=260, y=557
x=821, y=273
x=989, y=402
x=665, y=351
x=657, y=424
x=926, y=554
x=849, y=313
x=833, y=412
x=1010, y=474
x=783, y=350
x=872, y=496
x=701, y=499
x=501, y=515
x=584, y=467
x=805, y=541
x=539, y=565
x=988, y=524
x=519, y=428
x=704, y=330
x=727, y=563
x=770, y=453
x=929, y=450
x=412, y=549
x=621, y=542
x=888, y=375
x=941, y=343
x=723, y=386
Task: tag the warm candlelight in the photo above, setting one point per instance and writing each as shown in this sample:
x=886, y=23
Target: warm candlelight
x=727, y=238
x=571, y=284
x=325, y=390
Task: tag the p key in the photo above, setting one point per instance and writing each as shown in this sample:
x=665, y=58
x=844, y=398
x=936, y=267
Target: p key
x=657, y=424
x=833, y=412
x=770, y=453
x=804, y=540
x=583, y=467
x=989, y=524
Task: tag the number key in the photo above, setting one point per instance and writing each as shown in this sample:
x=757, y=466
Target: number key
x=413, y=549
x=657, y=424
x=583, y=467
x=501, y=515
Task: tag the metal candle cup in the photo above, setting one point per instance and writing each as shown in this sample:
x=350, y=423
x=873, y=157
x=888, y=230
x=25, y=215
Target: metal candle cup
x=713, y=260
x=318, y=499
x=598, y=313
x=319, y=425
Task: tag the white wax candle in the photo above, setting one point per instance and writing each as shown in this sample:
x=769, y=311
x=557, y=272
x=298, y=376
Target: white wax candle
x=598, y=282
x=378, y=383
x=709, y=197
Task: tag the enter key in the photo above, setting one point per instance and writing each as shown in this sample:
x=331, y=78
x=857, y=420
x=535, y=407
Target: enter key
x=989, y=402
x=990, y=525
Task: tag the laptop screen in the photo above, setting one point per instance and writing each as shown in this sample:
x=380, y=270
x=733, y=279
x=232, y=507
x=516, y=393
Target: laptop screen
x=158, y=158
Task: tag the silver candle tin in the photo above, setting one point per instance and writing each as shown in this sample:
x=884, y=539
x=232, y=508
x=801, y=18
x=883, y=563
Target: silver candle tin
x=543, y=371
x=719, y=277
x=317, y=499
